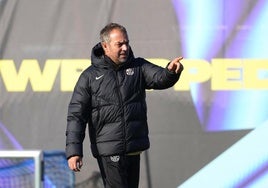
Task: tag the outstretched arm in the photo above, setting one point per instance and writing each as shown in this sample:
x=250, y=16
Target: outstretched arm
x=157, y=77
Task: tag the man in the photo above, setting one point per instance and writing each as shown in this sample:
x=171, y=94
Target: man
x=110, y=97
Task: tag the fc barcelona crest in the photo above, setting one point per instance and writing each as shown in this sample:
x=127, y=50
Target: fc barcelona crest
x=129, y=71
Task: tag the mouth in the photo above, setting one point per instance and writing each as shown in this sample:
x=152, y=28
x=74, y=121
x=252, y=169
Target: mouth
x=123, y=55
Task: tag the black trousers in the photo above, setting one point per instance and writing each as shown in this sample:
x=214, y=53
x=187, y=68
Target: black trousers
x=120, y=171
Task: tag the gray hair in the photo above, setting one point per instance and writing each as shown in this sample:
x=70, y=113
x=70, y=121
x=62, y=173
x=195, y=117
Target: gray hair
x=105, y=32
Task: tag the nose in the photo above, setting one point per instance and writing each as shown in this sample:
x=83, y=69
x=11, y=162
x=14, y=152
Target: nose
x=125, y=47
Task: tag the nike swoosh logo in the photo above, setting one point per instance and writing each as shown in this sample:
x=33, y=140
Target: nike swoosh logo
x=99, y=77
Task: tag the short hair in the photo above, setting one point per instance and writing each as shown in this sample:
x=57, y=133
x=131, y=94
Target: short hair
x=105, y=32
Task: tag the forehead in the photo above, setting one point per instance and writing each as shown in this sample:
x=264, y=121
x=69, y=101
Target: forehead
x=116, y=35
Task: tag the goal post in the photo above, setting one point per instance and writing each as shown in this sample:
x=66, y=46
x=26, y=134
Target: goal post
x=36, y=155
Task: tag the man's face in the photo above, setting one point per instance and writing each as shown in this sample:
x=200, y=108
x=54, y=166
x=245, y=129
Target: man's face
x=118, y=47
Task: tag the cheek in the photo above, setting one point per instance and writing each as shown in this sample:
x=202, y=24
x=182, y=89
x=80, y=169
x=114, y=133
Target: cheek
x=108, y=51
x=114, y=52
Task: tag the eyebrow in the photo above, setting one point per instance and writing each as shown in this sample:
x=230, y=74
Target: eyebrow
x=122, y=42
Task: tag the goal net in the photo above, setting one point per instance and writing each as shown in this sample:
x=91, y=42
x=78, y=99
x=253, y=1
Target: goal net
x=34, y=169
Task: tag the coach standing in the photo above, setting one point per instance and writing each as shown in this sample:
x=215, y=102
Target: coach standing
x=110, y=97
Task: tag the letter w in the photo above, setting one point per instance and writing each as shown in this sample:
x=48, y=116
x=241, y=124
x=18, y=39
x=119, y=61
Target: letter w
x=29, y=71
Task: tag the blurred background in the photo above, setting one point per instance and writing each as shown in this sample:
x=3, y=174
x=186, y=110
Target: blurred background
x=220, y=100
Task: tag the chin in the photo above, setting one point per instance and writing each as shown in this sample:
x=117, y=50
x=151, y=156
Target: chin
x=123, y=60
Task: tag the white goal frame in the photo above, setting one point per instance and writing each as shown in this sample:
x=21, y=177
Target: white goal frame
x=37, y=155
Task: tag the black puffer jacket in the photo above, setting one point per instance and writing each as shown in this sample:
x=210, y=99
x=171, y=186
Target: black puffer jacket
x=111, y=100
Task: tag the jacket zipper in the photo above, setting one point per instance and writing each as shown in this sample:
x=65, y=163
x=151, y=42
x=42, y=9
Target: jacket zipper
x=121, y=106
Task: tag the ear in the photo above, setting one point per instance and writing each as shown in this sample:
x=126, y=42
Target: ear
x=104, y=45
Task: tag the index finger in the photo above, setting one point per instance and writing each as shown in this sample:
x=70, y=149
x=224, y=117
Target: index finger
x=179, y=58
